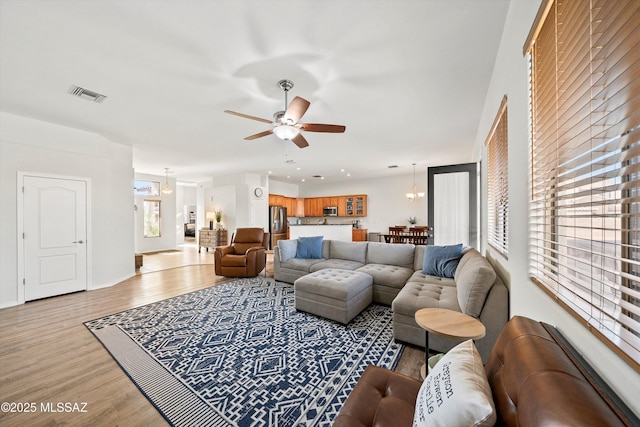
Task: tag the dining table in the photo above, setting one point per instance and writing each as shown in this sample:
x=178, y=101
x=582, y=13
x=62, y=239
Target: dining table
x=406, y=237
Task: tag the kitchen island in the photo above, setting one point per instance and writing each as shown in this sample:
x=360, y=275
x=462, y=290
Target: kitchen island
x=328, y=231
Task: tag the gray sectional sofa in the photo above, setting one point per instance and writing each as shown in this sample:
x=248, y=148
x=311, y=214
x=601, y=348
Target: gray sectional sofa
x=398, y=281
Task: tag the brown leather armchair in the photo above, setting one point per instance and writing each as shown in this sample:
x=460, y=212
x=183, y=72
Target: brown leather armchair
x=245, y=256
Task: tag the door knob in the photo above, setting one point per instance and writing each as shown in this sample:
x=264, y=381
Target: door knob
x=79, y=241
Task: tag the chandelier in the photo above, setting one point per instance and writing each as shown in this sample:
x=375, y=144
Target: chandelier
x=166, y=188
x=413, y=195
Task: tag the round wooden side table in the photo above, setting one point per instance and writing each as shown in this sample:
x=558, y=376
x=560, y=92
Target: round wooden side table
x=447, y=323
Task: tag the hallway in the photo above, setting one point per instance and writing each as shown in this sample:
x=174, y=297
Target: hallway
x=185, y=254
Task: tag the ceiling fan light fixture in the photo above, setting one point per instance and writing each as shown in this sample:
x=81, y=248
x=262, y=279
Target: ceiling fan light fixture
x=286, y=131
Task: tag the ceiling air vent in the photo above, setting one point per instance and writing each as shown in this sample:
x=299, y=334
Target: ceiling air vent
x=87, y=94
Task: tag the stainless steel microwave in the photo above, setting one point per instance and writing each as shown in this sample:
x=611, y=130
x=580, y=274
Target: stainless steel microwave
x=330, y=211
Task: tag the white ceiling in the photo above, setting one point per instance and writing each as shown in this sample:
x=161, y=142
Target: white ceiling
x=408, y=78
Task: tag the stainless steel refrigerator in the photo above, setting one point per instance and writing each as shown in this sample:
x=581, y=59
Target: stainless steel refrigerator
x=277, y=224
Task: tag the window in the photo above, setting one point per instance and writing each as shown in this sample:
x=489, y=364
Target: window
x=152, y=218
x=585, y=164
x=497, y=176
x=146, y=188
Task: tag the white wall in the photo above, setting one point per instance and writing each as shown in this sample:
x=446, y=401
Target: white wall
x=510, y=77
x=170, y=218
x=233, y=195
x=28, y=145
x=283, y=188
x=387, y=202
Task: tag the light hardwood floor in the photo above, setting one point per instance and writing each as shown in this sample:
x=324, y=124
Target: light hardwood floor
x=47, y=356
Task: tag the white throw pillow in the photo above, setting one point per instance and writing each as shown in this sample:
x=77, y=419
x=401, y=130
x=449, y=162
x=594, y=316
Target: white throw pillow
x=456, y=392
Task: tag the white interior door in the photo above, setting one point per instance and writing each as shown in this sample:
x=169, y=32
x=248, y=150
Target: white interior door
x=55, y=230
x=451, y=209
x=454, y=204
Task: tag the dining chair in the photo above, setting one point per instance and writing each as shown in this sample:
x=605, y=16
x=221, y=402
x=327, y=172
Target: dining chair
x=396, y=233
x=419, y=234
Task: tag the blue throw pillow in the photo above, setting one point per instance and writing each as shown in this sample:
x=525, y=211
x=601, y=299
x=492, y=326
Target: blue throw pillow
x=309, y=247
x=441, y=261
x=288, y=249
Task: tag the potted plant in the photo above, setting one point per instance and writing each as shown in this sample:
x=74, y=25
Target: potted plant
x=218, y=213
x=413, y=220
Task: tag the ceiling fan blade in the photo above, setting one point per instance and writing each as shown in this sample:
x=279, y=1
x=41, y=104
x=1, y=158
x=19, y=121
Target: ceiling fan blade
x=246, y=116
x=319, y=127
x=259, y=135
x=296, y=109
x=300, y=141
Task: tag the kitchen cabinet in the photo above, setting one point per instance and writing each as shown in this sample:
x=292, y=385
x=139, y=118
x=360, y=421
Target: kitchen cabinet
x=348, y=206
x=276, y=200
x=329, y=202
x=359, y=234
x=299, y=207
x=290, y=204
x=355, y=205
x=313, y=206
x=360, y=205
x=342, y=206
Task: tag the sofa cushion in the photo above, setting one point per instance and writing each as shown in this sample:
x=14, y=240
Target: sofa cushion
x=341, y=264
x=300, y=264
x=288, y=249
x=474, y=280
x=380, y=398
x=415, y=296
x=456, y=392
x=392, y=254
x=351, y=251
x=420, y=277
x=233, y=260
x=418, y=257
x=441, y=260
x=309, y=247
x=387, y=275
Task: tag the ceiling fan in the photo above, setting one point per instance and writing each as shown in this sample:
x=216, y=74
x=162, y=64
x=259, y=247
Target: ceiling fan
x=285, y=123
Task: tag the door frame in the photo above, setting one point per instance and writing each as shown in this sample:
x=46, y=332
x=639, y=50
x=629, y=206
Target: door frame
x=20, y=226
x=474, y=207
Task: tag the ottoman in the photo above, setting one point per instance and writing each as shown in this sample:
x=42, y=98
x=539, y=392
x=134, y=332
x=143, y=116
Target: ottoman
x=332, y=293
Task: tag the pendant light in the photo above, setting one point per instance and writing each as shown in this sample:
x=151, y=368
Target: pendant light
x=413, y=195
x=166, y=188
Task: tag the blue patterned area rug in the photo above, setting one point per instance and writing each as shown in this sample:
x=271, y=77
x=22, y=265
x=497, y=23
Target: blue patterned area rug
x=239, y=354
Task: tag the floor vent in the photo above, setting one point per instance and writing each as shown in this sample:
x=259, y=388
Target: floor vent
x=87, y=94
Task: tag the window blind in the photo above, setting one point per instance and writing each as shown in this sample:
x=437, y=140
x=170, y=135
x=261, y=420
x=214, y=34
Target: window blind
x=497, y=177
x=585, y=165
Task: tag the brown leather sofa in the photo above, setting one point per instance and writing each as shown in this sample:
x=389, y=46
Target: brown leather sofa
x=245, y=256
x=537, y=380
